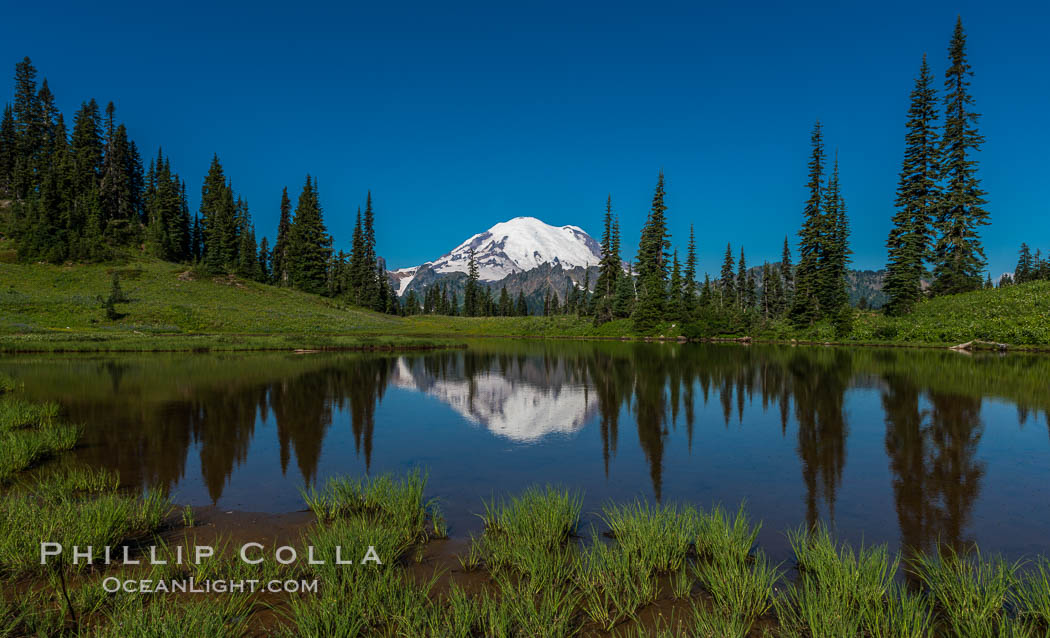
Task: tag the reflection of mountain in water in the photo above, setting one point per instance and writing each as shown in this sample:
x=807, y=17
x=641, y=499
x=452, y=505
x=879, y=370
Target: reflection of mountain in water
x=509, y=403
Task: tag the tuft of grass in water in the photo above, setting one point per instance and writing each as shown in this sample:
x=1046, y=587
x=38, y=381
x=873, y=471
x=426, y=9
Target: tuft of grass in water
x=743, y=591
x=29, y=517
x=188, y=519
x=682, y=583
x=23, y=449
x=659, y=535
x=614, y=583
x=970, y=592
x=160, y=617
x=76, y=479
x=320, y=617
x=718, y=622
x=903, y=615
x=1032, y=595
x=548, y=613
x=841, y=591
x=472, y=561
x=460, y=615
x=396, y=503
x=17, y=414
x=720, y=534
x=540, y=517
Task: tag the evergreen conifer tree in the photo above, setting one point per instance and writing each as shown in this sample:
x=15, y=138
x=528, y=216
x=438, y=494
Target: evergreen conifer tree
x=958, y=257
x=727, y=281
x=911, y=240
x=653, y=264
x=309, y=243
x=806, y=300
x=279, y=258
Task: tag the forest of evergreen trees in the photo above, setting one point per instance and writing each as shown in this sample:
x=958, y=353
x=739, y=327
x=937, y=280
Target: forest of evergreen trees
x=86, y=196
x=81, y=196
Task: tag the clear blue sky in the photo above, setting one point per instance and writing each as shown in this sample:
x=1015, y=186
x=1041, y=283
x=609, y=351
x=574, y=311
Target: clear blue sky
x=458, y=116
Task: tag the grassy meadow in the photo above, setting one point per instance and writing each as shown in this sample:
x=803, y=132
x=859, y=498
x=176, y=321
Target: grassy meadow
x=174, y=308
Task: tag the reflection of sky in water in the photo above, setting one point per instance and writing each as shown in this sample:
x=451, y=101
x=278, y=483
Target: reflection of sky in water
x=884, y=458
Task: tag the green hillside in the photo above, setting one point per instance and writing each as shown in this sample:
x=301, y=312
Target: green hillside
x=171, y=307
x=1017, y=315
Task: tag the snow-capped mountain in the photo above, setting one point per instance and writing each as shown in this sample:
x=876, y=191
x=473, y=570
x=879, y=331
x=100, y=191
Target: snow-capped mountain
x=518, y=245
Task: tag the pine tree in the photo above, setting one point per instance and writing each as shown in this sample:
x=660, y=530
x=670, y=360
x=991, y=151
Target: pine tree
x=835, y=252
x=309, y=243
x=265, y=273
x=8, y=151
x=586, y=299
x=911, y=240
x=369, y=295
x=521, y=307
x=28, y=130
x=217, y=220
x=357, y=269
x=1026, y=270
x=505, y=307
x=624, y=303
x=806, y=301
x=247, y=255
x=706, y=294
x=609, y=269
x=279, y=260
x=787, y=273
x=727, y=283
x=741, y=283
x=676, y=292
x=470, y=293
x=689, y=299
x=958, y=256
x=653, y=264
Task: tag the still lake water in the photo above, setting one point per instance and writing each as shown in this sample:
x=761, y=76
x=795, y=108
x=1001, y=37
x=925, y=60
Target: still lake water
x=888, y=445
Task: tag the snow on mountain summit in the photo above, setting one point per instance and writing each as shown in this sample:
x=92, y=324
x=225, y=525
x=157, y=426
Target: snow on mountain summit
x=520, y=244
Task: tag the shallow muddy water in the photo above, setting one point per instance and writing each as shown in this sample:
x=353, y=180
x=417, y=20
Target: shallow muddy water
x=889, y=445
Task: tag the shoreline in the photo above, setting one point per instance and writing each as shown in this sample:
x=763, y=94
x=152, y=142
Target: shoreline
x=72, y=343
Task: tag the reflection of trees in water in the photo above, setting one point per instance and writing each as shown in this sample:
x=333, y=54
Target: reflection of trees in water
x=932, y=456
x=818, y=382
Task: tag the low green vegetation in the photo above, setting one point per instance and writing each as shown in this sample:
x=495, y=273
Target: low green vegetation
x=540, y=577
x=29, y=432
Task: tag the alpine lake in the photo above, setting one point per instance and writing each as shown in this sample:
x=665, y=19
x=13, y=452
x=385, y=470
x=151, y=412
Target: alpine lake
x=908, y=447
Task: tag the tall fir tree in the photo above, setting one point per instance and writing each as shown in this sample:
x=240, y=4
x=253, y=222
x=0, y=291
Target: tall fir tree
x=309, y=243
x=8, y=152
x=741, y=283
x=609, y=269
x=911, y=239
x=218, y=220
x=806, y=301
x=370, y=288
x=1026, y=269
x=787, y=276
x=689, y=298
x=958, y=257
x=834, y=254
x=727, y=281
x=471, y=293
x=653, y=264
x=279, y=259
